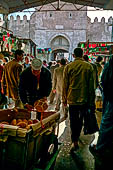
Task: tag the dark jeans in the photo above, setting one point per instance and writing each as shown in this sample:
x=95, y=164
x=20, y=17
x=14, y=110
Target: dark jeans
x=76, y=114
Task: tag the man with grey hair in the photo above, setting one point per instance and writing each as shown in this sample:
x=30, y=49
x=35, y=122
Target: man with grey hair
x=35, y=83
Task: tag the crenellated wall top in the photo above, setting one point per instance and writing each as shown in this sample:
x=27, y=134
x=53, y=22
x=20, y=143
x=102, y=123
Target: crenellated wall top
x=96, y=20
x=18, y=18
x=102, y=21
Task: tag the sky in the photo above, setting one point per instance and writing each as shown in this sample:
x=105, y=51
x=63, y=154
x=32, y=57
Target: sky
x=92, y=14
x=99, y=14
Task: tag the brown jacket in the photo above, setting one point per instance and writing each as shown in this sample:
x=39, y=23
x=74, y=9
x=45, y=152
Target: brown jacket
x=58, y=79
x=52, y=69
x=10, y=78
x=78, y=83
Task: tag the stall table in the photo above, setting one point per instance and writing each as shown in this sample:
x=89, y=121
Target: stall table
x=25, y=149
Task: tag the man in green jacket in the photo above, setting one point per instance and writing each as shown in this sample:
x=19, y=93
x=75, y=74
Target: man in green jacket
x=78, y=92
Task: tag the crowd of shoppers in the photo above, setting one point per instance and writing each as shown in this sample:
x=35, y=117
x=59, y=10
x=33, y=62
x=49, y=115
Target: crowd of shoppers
x=72, y=84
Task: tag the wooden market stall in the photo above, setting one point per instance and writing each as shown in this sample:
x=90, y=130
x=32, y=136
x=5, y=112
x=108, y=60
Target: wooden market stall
x=25, y=148
x=28, y=46
x=7, y=40
x=8, y=43
x=94, y=49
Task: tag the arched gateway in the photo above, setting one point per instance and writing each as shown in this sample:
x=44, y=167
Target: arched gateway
x=60, y=47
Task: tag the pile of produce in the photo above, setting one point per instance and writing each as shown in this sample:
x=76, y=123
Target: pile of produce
x=22, y=123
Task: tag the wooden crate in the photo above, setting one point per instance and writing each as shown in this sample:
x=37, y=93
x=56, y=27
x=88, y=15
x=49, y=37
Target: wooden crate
x=24, y=147
x=18, y=150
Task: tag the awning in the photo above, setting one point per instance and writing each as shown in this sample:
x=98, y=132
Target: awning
x=10, y=6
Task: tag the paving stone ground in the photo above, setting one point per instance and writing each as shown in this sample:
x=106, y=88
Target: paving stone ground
x=83, y=160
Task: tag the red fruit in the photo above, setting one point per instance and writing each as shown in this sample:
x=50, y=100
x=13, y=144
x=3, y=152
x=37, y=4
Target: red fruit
x=30, y=122
x=35, y=121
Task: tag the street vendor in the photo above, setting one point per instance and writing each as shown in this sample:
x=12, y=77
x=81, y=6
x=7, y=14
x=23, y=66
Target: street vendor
x=35, y=83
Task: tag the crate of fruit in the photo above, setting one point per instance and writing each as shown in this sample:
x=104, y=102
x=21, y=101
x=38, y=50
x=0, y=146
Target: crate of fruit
x=20, y=137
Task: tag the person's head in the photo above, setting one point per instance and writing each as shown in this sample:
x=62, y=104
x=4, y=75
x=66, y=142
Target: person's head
x=27, y=60
x=19, y=55
x=44, y=62
x=50, y=63
x=58, y=61
x=54, y=63
x=86, y=58
x=6, y=59
x=63, y=61
x=1, y=62
x=36, y=66
x=99, y=59
x=78, y=52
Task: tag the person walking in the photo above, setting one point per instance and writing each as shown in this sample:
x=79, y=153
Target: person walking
x=57, y=84
x=78, y=92
x=10, y=78
x=35, y=83
x=52, y=68
x=1, y=72
x=103, y=150
x=95, y=72
x=99, y=67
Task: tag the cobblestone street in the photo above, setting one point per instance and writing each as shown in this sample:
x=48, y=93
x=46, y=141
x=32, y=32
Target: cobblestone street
x=83, y=160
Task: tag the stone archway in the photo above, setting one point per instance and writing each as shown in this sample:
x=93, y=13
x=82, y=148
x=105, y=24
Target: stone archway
x=59, y=45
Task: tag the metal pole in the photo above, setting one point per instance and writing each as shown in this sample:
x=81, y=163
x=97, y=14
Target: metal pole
x=29, y=29
x=5, y=19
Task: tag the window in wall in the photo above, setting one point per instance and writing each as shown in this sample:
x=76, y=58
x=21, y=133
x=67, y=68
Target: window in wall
x=50, y=14
x=60, y=41
x=70, y=15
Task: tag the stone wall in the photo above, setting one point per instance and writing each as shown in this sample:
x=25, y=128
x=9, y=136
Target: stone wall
x=19, y=27
x=75, y=26
x=69, y=24
x=99, y=31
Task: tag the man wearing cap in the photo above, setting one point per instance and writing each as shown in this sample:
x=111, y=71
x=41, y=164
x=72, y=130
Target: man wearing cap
x=35, y=83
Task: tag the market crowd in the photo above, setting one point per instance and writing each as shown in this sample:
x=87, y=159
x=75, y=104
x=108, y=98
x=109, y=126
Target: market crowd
x=72, y=86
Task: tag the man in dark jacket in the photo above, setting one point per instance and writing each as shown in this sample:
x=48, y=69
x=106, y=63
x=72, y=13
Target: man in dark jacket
x=35, y=83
